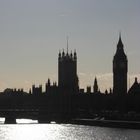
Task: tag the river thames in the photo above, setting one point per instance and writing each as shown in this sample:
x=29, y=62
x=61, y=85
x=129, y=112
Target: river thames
x=32, y=131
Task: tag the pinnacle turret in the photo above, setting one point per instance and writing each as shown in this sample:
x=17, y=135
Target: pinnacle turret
x=95, y=87
x=67, y=56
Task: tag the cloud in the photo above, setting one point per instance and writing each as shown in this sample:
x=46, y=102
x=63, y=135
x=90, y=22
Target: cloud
x=82, y=74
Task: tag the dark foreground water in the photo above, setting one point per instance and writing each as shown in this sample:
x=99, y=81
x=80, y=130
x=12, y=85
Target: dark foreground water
x=64, y=132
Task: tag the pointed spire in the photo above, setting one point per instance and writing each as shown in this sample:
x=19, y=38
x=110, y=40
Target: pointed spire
x=136, y=80
x=95, y=81
x=110, y=91
x=67, y=44
x=119, y=34
x=75, y=55
x=106, y=91
x=49, y=82
x=30, y=92
x=71, y=54
x=120, y=54
x=59, y=54
x=63, y=53
x=120, y=44
x=120, y=37
x=95, y=87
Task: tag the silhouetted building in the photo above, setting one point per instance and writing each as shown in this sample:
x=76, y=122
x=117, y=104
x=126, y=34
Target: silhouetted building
x=14, y=91
x=30, y=91
x=106, y=91
x=36, y=90
x=110, y=91
x=135, y=88
x=120, y=70
x=88, y=89
x=95, y=86
x=51, y=89
x=48, y=86
x=81, y=90
x=51, y=105
x=67, y=72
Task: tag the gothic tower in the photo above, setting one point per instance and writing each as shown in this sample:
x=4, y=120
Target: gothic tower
x=120, y=69
x=95, y=86
x=67, y=72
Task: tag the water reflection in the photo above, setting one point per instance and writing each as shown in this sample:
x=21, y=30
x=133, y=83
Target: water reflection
x=64, y=132
x=2, y=120
x=26, y=121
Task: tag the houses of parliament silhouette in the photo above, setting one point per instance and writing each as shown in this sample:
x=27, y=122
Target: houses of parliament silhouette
x=66, y=101
x=68, y=78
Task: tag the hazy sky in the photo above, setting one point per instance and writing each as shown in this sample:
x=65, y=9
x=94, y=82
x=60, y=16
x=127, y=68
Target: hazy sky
x=33, y=31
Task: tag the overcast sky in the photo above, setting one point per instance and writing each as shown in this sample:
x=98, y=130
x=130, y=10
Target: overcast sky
x=33, y=31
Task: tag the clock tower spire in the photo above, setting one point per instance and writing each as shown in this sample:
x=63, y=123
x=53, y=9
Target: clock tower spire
x=120, y=69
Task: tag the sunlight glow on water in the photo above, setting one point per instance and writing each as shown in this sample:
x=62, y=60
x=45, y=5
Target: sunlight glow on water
x=32, y=131
x=26, y=121
x=2, y=120
x=64, y=132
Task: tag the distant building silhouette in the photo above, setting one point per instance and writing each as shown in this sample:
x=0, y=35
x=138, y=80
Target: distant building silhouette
x=51, y=89
x=67, y=72
x=88, y=89
x=61, y=104
x=95, y=86
x=36, y=90
x=135, y=88
x=120, y=69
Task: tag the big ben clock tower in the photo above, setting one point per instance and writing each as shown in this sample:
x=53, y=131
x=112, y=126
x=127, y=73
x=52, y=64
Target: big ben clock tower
x=120, y=69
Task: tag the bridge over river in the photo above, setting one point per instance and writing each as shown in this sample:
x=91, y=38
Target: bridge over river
x=42, y=115
x=11, y=115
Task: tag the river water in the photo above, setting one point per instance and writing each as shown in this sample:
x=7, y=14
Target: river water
x=33, y=131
